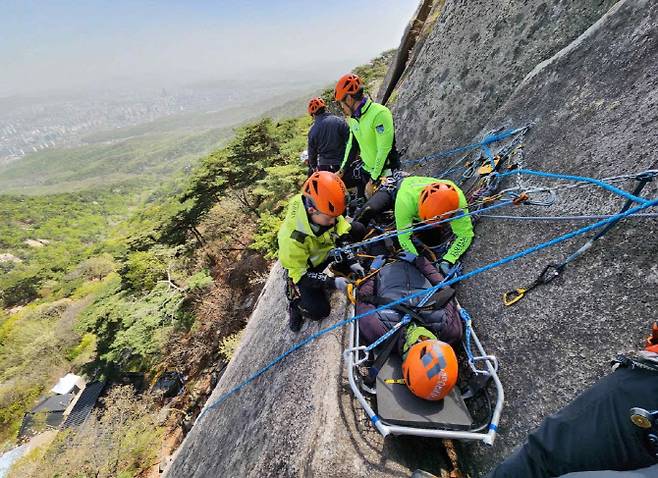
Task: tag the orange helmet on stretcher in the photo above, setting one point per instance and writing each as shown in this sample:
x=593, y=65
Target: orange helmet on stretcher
x=430, y=369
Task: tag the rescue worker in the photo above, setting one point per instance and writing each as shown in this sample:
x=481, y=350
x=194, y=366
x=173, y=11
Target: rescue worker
x=611, y=426
x=371, y=125
x=313, y=226
x=417, y=198
x=326, y=138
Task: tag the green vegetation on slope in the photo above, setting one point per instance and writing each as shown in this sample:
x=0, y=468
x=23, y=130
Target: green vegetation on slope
x=143, y=160
x=50, y=237
x=115, y=286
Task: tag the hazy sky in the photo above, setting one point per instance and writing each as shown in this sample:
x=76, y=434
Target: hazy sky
x=66, y=44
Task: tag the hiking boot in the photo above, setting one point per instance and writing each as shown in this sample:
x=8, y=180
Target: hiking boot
x=296, y=317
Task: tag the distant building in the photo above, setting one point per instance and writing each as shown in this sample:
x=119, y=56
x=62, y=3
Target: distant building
x=72, y=402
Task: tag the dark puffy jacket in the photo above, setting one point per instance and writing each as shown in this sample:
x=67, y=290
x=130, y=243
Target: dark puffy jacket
x=399, y=279
x=326, y=140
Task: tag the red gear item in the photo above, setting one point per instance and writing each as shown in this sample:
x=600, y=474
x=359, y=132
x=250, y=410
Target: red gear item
x=430, y=369
x=347, y=85
x=327, y=192
x=315, y=104
x=652, y=340
x=436, y=200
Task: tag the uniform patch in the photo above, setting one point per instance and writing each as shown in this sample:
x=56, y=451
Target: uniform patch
x=380, y=128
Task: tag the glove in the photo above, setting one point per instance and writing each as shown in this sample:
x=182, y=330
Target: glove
x=358, y=269
x=444, y=268
x=341, y=284
x=409, y=257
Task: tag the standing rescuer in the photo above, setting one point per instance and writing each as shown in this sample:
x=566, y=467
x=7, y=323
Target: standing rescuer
x=326, y=138
x=371, y=124
x=313, y=226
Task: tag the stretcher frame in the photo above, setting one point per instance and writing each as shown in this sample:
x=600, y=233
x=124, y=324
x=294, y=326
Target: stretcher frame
x=355, y=355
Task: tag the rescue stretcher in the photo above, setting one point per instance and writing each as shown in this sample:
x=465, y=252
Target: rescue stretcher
x=462, y=415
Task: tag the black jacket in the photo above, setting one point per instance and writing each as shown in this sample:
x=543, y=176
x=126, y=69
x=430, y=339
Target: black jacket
x=326, y=140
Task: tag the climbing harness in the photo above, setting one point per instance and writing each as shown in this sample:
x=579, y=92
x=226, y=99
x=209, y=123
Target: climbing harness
x=552, y=271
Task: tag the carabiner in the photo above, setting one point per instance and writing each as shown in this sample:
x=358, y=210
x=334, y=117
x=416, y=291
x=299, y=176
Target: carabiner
x=513, y=296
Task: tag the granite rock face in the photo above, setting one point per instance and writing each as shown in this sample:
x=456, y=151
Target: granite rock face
x=474, y=58
x=594, y=107
x=587, y=74
x=298, y=419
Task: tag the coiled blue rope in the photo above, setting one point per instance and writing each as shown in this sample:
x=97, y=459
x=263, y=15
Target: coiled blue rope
x=422, y=226
x=583, y=179
x=492, y=138
x=468, y=275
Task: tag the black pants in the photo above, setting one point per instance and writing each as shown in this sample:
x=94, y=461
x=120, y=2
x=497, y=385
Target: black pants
x=314, y=301
x=356, y=177
x=353, y=176
x=593, y=432
x=380, y=202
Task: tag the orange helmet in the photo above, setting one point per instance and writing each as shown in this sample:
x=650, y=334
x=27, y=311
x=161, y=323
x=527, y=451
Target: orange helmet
x=347, y=85
x=430, y=369
x=315, y=104
x=327, y=191
x=437, y=199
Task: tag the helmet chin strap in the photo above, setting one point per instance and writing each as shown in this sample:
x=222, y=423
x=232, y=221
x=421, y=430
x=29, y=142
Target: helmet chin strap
x=356, y=113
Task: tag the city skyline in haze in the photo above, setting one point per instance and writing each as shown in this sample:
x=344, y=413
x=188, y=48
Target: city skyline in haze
x=63, y=45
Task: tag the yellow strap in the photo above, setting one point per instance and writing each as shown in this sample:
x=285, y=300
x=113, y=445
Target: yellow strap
x=395, y=381
x=360, y=281
x=350, y=293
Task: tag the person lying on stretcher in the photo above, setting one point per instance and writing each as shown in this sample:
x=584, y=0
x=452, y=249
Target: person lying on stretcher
x=430, y=364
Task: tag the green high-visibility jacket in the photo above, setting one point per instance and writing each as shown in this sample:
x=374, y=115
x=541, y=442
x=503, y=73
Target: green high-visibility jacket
x=299, y=247
x=406, y=214
x=374, y=132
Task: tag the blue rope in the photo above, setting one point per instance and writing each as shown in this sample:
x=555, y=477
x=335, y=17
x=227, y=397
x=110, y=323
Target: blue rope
x=598, y=182
x=602, y=184
x=421, y=227
x=435, y=288
x=405, y=320
x=566, y=218
x=492, y=138
x=466, y=317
